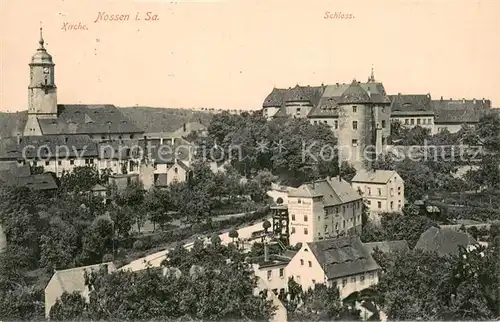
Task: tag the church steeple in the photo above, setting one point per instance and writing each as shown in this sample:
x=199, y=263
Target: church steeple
x=371, y=79
x=41, y=42
x=42, y=90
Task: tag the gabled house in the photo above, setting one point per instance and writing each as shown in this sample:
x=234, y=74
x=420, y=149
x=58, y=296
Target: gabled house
x=323, y=208
x=343, y=261
x=70, y=280
x=444, y=241
x=382, y=191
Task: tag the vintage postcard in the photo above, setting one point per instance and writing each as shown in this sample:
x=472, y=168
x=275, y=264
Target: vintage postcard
x=249, y=160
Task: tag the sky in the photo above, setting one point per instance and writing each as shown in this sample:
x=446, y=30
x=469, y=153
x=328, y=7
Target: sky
x=230, y=54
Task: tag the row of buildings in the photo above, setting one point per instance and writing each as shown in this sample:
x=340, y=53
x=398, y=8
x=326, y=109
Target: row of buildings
x=360, y=113
x=60, y=137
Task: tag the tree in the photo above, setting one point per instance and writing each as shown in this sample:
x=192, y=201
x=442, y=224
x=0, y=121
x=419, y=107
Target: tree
x=233, y=234
x=97, y=241
x=323, y=303
x=58, y=245
x=69, y=307
x=266, y=225
x=80, y=179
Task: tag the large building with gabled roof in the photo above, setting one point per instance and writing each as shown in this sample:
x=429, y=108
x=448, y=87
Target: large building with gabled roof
x=324, y=208
x=47, y=117
x=358, y=114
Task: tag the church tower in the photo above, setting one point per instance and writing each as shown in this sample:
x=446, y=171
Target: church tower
x=42, y=90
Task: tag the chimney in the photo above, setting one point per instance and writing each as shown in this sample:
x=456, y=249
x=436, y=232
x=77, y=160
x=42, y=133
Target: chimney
x=441, y=98
x=172, y=140
x=463, y=100
x=483, y=100
x=266, y=252
x=474, y=101
x=18, y=138
x=184, y=127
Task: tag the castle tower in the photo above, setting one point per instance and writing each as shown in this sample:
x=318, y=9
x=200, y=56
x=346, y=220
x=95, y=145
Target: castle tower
x=357, y=127
x=42, y=90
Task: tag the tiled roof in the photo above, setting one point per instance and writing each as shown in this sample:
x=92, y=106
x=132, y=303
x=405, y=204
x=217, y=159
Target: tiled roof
x=166, y=154
x=88, y=119
x=333, y=190
x=354, y=94
x=458, y=116
x=47, y=146
x=452, y=104
x=377, y=176
x=411, y=105
x=278, y=97
x=388, y=246
x=275, y=98
x=10, y=170
x=99, y=187
x=327, y=107
x=44, y=181
x=443, y=241
x=341, y=257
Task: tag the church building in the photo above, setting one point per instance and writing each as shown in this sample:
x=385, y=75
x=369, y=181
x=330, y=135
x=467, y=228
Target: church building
x=46, y=117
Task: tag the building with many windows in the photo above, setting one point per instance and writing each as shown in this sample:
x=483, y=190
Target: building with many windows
x=358, y=114
x=345, y=262
x=323, y=208
x=382, y=191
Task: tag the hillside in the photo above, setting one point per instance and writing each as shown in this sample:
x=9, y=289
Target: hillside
x=153, y=119
x=150, y=119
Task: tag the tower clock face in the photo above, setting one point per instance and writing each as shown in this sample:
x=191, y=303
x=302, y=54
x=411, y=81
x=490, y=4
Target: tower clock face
x=45, y=70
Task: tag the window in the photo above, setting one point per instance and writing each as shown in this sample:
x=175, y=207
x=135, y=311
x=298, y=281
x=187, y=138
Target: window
x=368, y=202
x=313, y=281
x=310, y=263
x=392, y=204
x=383, y=124
x=299, y=201
x=406, y=121
x=47, y=162
x=326, y=122
x=424, y=121
x=301, y=262
x=418, y=121
x=306, y=232
x=344, y=223
x=353, y=279
x=354, y=142
x=59, y=162
x=429, y=121
x=298, y=278
x=305, y=218
x=354, y=109
x=293, y=230
x=362, y=280
x=354, y=125
x=369, y=191
x=293, y=216
x=379, y=204
x=372, y=275
x=282, y=272
x=315, y=122
x=131, y=136
x=392, y=192
x=326, y=228
x=344, y=282
x=336, y=124
x=269, y=274
x=72, y=162
x=306, y=250
x=176, y=170
x=412, y=121
x=379, y=191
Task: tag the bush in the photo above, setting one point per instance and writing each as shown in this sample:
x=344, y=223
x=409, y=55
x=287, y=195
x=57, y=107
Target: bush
x=107, y=258
x=138, y=245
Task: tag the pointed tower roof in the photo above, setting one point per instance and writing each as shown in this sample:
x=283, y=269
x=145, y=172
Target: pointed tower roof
x=41, y=56
x=355, y=94
x=371, y=79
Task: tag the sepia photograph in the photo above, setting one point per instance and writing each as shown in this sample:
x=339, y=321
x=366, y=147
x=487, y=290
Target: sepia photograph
x=250, y=160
